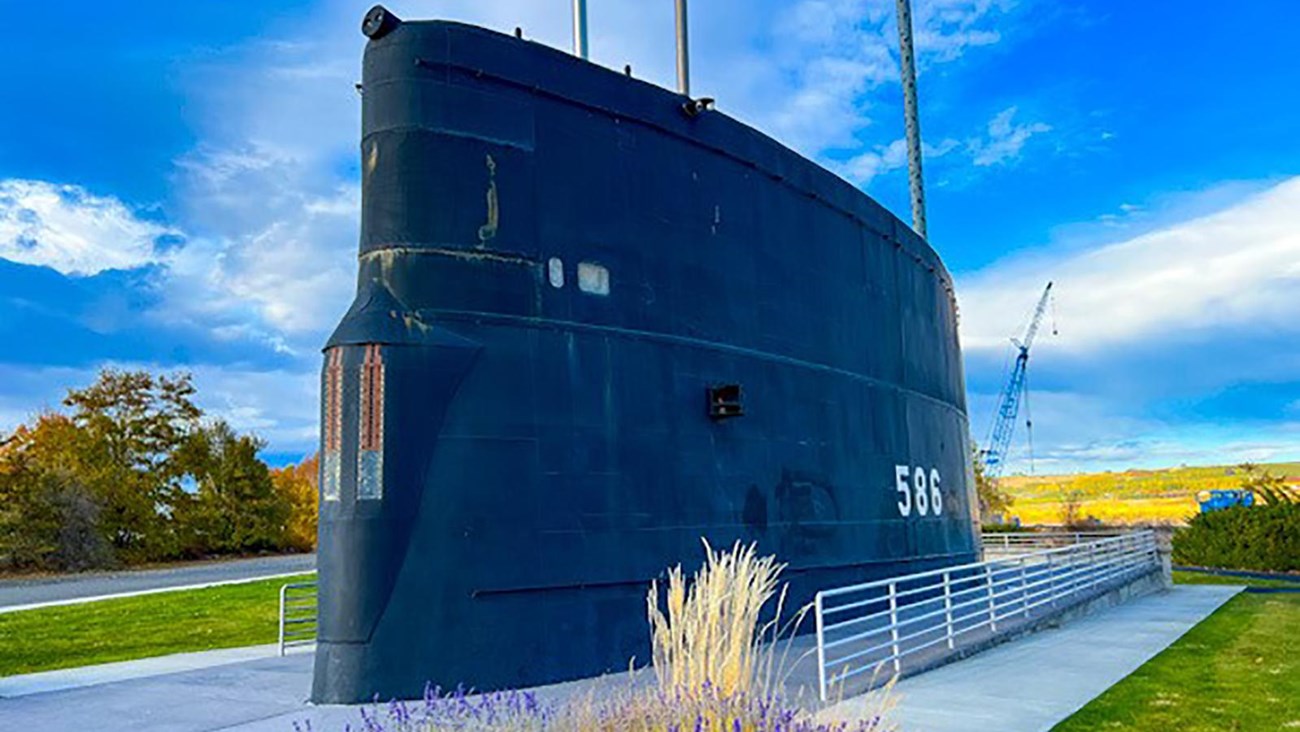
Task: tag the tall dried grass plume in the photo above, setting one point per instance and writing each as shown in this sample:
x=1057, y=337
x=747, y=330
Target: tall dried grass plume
x=706, y=639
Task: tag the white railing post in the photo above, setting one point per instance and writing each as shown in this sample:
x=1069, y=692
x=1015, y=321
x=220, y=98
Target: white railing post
x=1076, y=569
x=821, y=646
x=993, y=612
x=1024, y=588
x=1090, y=567
x=281, y=641
x=947, y=606
x=893, y=626
x=1051, y=579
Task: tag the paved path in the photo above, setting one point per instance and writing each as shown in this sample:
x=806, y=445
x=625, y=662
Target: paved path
x=71, y=588
x=1037, y=681
x=1028, y=684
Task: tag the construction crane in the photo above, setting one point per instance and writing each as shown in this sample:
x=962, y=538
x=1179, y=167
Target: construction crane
x=1016, y=391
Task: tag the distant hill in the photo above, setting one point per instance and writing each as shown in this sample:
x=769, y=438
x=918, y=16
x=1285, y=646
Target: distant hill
x=1166, y=495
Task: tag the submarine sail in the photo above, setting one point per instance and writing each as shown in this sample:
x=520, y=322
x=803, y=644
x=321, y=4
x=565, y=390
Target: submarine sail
x=596, y=322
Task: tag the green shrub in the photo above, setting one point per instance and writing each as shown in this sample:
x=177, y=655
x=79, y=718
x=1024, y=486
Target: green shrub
x=1263, y=538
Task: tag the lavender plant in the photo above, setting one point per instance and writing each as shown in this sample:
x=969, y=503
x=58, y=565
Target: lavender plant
x=646, y=711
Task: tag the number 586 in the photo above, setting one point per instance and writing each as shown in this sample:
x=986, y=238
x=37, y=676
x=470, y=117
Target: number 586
x=918, y=489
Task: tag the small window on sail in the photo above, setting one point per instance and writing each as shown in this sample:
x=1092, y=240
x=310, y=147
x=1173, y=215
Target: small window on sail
x=555, y=271
x=593, y=278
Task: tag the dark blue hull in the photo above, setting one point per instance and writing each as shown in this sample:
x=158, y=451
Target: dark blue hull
x=559, y=270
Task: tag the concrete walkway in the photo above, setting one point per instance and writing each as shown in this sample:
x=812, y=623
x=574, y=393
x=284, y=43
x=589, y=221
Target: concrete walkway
x=144, y=668
x=1037, y=681
x=1028, y=684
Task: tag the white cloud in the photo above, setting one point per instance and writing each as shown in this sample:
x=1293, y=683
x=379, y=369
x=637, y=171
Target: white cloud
x=825, y=63
x=1234, y=270
x=1005, y=139
x=863, y=168
x=280, y=242
x=945, y=29
x=70, y=230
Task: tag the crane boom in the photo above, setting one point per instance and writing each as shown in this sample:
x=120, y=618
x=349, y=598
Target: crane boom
x=1004, y=420
x=1032, y=330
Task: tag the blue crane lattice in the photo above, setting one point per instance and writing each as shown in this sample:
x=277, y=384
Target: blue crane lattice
x=1004, y=420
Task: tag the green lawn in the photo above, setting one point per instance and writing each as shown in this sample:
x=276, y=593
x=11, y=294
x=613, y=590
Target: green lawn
x=138, y=627
x=1200, y=578
x=1239, y=669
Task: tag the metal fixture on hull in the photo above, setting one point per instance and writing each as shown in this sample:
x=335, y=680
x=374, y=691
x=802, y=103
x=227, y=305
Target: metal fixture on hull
x=590, y=330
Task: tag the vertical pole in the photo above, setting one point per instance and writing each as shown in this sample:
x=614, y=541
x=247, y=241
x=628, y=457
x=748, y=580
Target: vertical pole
x=907, y=62
x=281, y=642
x=893, y=626
x=947, y=606
x=1024, y=587
x=1051, y=579
x=1092, y=566
x=683, y=51
x=821, y=646
x=580, y=28
x=993, y=612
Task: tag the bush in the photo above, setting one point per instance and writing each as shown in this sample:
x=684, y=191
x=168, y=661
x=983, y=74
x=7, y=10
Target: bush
x=50, y=521
x=1263, y=538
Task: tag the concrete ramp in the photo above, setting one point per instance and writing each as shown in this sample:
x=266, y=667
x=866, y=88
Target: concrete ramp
x=1037, y=681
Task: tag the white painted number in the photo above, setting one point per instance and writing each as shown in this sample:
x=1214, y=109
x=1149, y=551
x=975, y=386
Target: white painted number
x=904, y=490
x=918, y=488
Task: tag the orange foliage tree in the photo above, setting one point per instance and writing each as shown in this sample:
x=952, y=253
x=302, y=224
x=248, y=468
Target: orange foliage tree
x=297, y=484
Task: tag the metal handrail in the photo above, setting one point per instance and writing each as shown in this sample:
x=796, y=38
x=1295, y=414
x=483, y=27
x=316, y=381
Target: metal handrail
x=922, y=610
x=297, y=614
x=1021, y=539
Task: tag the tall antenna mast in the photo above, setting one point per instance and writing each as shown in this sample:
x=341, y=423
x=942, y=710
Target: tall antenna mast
x=683, y=52
x=580, y=28
x=907, y=62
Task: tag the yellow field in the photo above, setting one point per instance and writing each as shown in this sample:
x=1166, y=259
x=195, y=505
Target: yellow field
x=1133, y=496
x=1110, y=511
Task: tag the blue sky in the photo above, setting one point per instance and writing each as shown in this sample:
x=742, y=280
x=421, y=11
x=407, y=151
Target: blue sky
x=178, y=189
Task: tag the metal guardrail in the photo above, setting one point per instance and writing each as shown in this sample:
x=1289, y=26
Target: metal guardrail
x=1020, y=541
x=297, y=614
x=929, y=615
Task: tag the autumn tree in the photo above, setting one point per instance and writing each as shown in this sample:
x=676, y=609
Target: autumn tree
x=234, y=506
x=993, y=501
x=133, y=472
x=131, y=424
x=49, y=517
x=297, y=484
